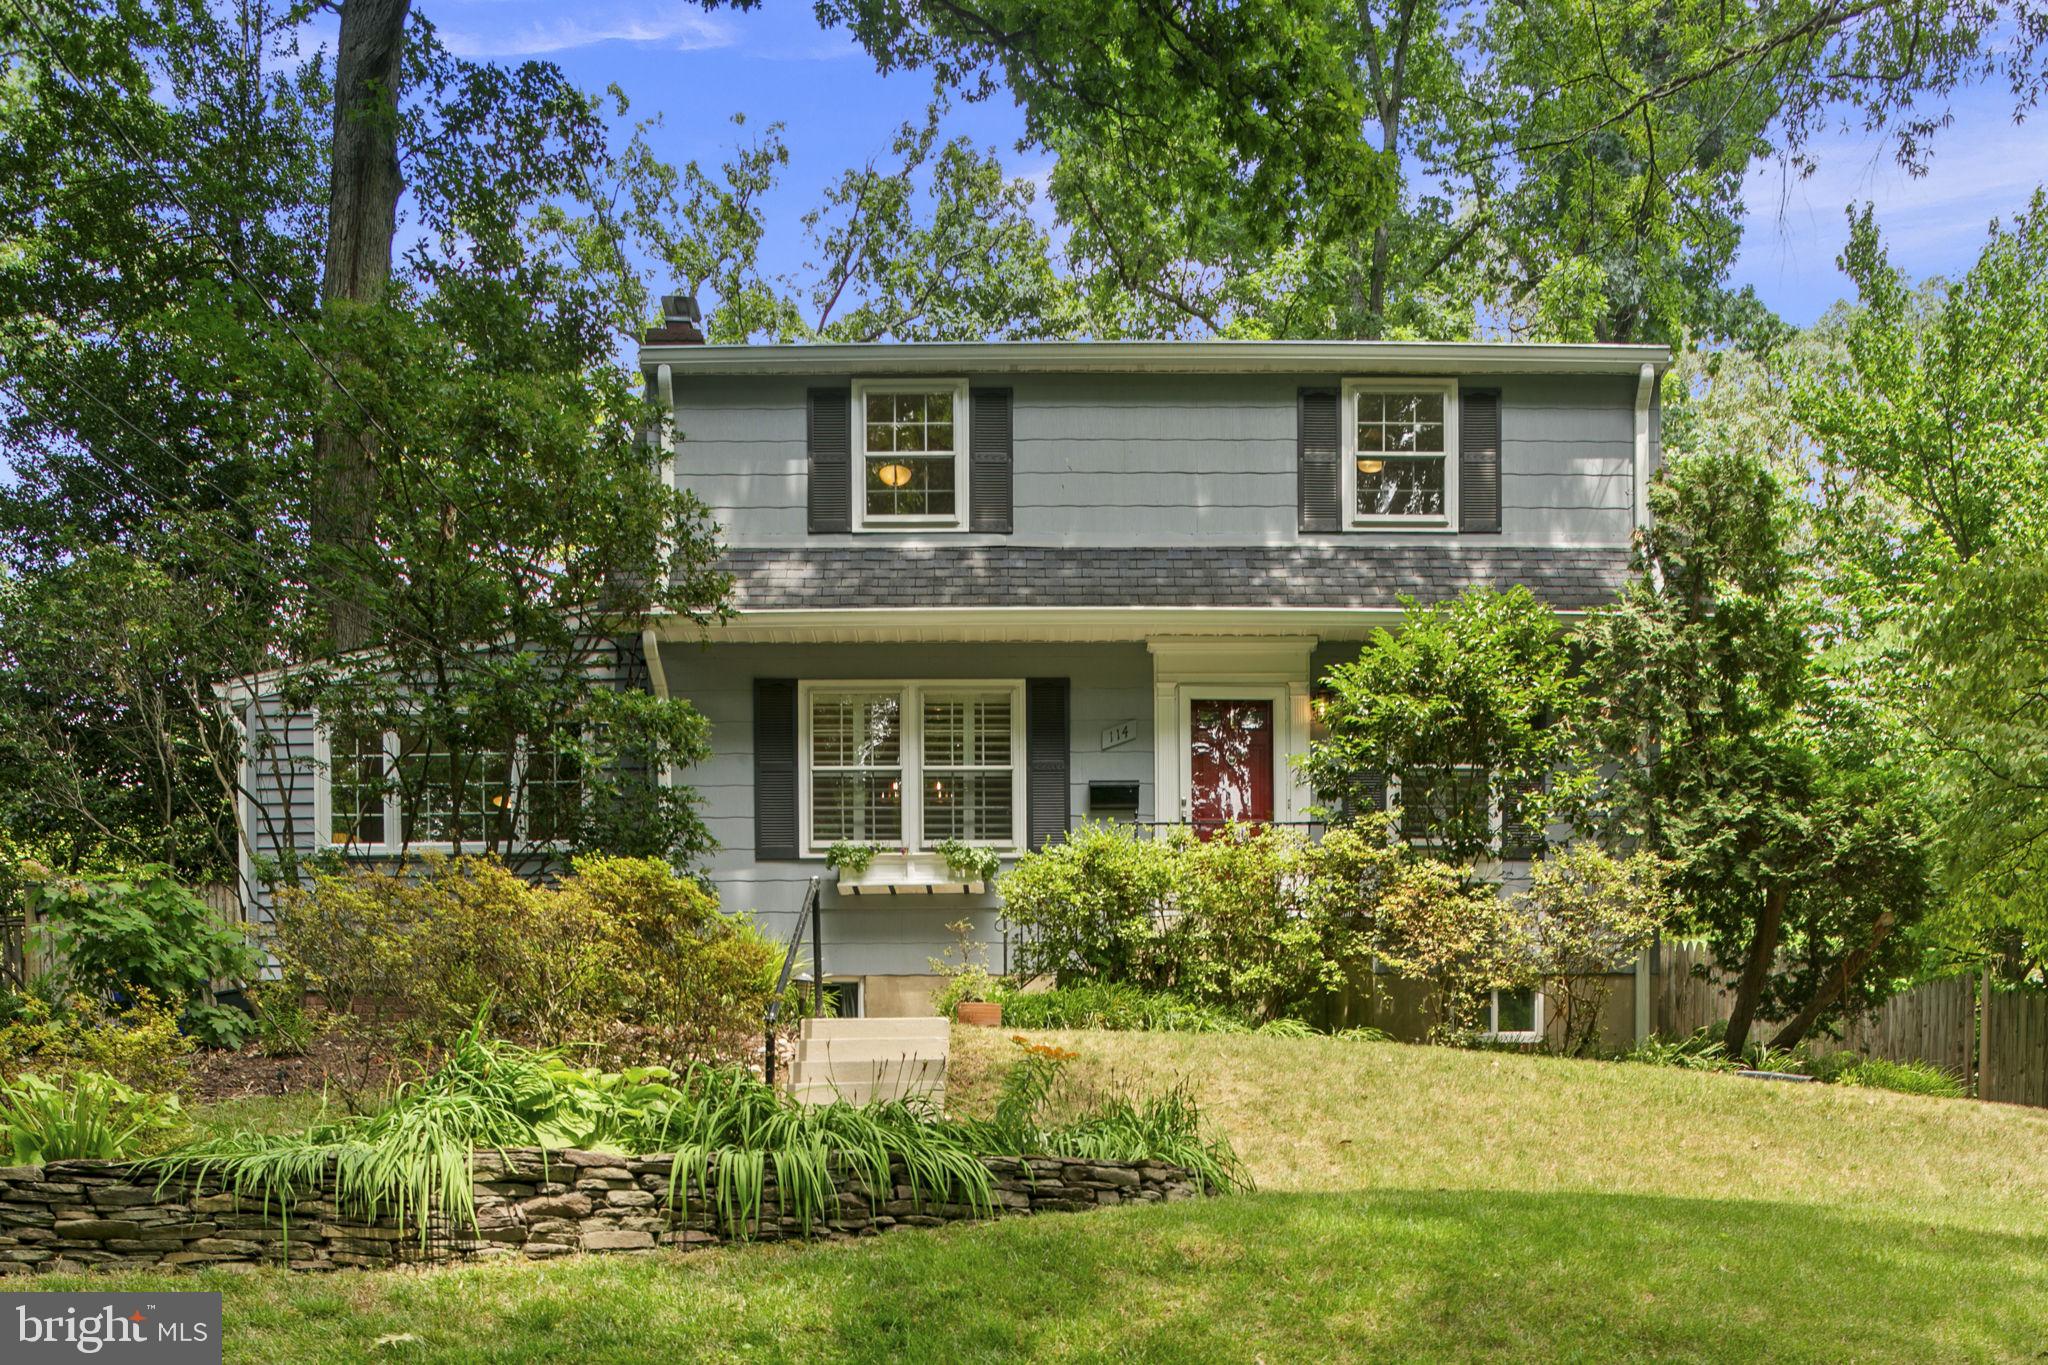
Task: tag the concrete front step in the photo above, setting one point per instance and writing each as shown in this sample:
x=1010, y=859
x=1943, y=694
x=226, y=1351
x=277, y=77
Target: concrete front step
x=923, y=1027
x=858, y=1060
x=864, y=1092
x=864, y=1051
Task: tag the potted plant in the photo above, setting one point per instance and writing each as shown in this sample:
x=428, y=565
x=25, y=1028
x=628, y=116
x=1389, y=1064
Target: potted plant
x=972, y=993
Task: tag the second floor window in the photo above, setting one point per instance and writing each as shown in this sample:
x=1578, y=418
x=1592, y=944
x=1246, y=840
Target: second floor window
x=912, y=444
x=1400, y=467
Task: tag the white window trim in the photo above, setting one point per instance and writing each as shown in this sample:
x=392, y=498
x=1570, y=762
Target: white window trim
x=1348, y=424
x=1528, y=1035
x=961, y=465
x=394, y=843
x=912, y=766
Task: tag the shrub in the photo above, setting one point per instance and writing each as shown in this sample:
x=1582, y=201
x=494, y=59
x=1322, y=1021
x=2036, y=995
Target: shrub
x=1589, y=914
x=140, y=1046
x=1097, y=906
x=86, y=1114
x=1908, y=1078
x=1113, y=1006
x=624, y=951
x=121, y=933
x=1253, y=920
x=283, y=1028
x=1464, y=940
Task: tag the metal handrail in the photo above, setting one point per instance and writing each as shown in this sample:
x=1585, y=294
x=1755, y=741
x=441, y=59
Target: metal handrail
x=810, y=915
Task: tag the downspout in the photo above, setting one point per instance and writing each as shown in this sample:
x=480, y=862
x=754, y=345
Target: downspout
x=1646, y=387
x=657, y=682
x=650, y=639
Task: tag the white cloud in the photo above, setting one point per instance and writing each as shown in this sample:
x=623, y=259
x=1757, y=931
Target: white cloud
x=548, y=32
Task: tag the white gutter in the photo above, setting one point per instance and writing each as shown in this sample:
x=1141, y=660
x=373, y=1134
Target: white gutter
x=1335, y=358
x=1646, y=385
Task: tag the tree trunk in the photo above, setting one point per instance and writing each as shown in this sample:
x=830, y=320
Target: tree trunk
x=1382, y=242
x=1846, y=971
x=362, y=218
x=1756, y=970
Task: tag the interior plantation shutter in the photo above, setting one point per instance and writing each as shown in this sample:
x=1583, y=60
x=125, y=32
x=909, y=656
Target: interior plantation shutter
x=989, y=499
x=829, y=438
x=775, y=784
x=1479, y=461
x=1047, y=794
x=1318, y=445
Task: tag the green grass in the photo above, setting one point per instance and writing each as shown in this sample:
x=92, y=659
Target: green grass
x=1413, y=1204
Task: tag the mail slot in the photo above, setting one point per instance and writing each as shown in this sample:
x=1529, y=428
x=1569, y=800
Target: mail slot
x=1112, y=796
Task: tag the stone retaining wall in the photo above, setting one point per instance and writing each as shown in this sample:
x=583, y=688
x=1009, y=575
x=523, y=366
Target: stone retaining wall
x=75, y=1215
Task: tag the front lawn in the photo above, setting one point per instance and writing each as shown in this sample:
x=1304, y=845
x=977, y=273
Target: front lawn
x=1413, y=1203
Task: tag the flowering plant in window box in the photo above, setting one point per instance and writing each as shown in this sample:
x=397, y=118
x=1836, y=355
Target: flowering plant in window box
x=850, y=859
x=969, y=863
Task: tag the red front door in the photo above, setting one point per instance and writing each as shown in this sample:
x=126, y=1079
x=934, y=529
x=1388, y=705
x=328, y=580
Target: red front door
x=1230, y=762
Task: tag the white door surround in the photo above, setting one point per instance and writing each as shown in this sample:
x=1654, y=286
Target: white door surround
x=1186, y=670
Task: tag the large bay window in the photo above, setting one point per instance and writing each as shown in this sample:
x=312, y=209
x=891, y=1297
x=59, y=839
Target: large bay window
x=913, y=765
x=1400, y=462
x=911, y=455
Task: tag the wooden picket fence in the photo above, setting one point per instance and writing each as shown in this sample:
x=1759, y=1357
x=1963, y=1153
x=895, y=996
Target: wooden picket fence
x=1998, y=1043
x=23, y=957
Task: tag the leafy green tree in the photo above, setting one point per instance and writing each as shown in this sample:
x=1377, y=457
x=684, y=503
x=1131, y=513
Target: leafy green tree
x=1287, y=169
x=167, y=217
x=160, y=187
x=1466, y=706
x=1794, y=837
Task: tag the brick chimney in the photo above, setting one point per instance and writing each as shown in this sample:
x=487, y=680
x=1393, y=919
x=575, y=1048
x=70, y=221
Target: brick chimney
x=681, y=323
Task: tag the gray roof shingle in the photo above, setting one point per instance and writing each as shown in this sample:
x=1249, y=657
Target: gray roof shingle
x=1330, y=576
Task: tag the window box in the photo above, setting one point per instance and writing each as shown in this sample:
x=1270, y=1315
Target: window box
x=907, y=874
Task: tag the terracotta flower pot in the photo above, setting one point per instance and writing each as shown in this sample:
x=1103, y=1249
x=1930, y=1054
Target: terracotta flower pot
x=979, y=1013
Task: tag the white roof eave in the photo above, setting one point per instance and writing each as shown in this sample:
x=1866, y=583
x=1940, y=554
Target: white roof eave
x=1333, y=358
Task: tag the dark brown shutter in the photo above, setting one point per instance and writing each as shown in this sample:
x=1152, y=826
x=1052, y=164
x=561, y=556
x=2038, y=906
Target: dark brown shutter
x=830, y=442
x=1047, y=794
x=1479, y=461
x=989, y=459
x=1318, y=445
x=775, y=784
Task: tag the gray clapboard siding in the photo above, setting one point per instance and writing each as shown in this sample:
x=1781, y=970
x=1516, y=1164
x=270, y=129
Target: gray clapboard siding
x=1169, y=459
x=1110, y=684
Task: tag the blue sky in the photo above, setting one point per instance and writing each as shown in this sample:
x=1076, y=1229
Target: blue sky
x=776, y=64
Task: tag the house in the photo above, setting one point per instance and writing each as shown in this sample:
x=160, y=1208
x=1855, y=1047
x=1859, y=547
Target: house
x=986, y=590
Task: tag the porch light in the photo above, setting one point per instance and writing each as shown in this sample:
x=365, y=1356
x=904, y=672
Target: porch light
x=893, y=474
x=1366, y=466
